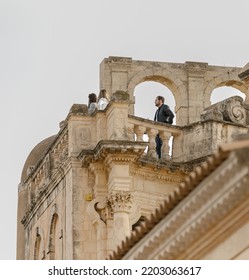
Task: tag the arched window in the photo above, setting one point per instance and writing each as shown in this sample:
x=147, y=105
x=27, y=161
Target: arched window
x=222, y=93
x=53, y=236
x=145, y=94
x=37, y=251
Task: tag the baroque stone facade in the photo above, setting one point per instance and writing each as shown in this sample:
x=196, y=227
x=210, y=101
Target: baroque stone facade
x=96, y=189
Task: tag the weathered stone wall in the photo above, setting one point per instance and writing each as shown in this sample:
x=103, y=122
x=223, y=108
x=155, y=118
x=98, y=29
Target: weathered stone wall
x=191, y=83
x=202, y=139
x=98, y=178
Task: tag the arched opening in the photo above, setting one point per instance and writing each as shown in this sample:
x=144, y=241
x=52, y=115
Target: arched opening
x=224, y=92
x=145, y=94
x=54, y=239
x=37, y=247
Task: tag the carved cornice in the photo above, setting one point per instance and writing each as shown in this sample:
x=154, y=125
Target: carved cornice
x=112, y=159
x=119, y=148
x=97, y=167
x=148, y=174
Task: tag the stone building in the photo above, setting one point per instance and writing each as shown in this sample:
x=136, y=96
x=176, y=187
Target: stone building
x=97, y=190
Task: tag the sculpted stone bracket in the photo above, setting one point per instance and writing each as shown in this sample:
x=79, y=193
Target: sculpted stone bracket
x=232, y=109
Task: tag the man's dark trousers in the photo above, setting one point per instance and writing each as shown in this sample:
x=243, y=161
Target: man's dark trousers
x=159, y=144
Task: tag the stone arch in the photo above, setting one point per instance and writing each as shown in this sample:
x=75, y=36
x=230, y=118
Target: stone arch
x=165, y=77
x=52, y=236
x=226, y=79
x=39, y=252
x=37, y=249
x=191, y=83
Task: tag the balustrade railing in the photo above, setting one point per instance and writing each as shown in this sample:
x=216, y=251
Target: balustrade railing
x=139, y=127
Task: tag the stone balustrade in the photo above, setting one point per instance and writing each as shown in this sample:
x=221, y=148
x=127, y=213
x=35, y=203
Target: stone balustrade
x=82, y=133
x=139, y=127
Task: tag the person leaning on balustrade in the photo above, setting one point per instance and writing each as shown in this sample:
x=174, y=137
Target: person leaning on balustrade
x=165, y=115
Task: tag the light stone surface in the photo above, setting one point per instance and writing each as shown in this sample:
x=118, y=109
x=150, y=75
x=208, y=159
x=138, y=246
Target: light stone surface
x=98, y=179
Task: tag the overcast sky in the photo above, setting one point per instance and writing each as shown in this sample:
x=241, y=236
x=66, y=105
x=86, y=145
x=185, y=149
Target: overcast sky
x=50, y=51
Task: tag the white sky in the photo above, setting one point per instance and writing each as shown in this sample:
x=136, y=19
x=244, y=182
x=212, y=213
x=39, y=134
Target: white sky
x=50, y=51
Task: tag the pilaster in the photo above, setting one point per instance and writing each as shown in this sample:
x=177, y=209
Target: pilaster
x=196, y=84
x=119, y=171
x=120, y=203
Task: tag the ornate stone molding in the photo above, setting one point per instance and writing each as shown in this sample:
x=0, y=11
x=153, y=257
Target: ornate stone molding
x=99, y=211
x=121, y=151
x=165, y=175
x=113, y=159
x=120, y=202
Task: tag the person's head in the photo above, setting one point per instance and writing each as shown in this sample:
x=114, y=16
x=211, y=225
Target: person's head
x=92, y=97
x=159, y=100
x=102, y=94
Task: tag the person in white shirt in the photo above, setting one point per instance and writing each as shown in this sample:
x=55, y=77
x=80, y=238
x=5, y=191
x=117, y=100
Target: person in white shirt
x=102, y=100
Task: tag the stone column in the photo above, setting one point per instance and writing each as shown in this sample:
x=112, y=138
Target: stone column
x=117, y=117
x=152, y=144
x=139, y=130
x=120, y=204
x=165, y=136
x=196, y=84
x=114, y=73
x=119, y=178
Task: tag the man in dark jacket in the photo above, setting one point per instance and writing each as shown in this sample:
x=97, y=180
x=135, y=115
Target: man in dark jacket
x=165, y=115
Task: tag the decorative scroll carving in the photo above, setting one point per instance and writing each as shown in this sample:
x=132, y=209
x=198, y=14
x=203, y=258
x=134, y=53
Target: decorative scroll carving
x=99, y=211
x=232, y=110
